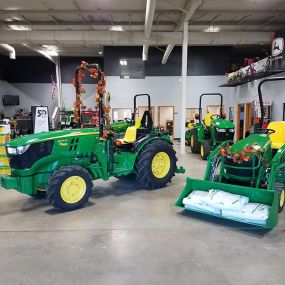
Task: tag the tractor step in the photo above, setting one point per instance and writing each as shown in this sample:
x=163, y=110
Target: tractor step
x=255, y=195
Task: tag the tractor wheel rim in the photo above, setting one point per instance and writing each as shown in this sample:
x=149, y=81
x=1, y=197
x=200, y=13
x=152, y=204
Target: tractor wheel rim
x=73, y=189
x=202, y=150
x=282, y=198
x=192, y=141
x=160, y=164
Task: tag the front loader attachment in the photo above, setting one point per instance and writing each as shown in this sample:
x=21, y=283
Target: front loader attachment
x=255, y=195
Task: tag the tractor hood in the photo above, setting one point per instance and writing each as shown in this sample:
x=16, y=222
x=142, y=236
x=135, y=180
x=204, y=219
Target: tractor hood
x=47, y=136
x=223, y=124
x=259, y=140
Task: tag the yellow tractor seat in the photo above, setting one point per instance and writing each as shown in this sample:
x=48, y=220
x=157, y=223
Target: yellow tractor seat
x=277, y=138
x=131, y=132
x=207, y=120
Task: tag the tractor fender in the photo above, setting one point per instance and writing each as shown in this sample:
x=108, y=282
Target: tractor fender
x=277, y=168
x=146, y=140
x=200, y=132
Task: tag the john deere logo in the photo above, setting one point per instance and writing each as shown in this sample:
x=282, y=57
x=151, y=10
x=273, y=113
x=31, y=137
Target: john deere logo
x=277, y=46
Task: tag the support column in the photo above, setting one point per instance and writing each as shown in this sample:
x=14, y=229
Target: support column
x=184, y=85
x=58, y=82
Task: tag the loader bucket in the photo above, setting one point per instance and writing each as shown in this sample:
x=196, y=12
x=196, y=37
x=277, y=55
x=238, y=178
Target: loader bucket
x=256, y=195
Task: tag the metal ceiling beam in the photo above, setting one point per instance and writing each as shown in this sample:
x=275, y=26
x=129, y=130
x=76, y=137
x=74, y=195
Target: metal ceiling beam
x=132, y=38
x=191, y=8
x=89, y=12
x=149, y=14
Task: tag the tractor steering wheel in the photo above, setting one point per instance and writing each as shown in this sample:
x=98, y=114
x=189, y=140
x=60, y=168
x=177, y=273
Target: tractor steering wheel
x=264, y=131
x=215, y=116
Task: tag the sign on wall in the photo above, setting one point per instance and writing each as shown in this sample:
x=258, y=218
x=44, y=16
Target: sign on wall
x=40, y=119
x=277, y=46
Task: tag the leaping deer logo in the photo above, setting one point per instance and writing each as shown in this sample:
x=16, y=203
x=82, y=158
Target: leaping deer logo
x=276, y=46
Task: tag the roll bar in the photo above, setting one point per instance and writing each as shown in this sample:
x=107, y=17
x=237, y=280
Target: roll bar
x=135, y=104
x=261, y=98
x=209, y=94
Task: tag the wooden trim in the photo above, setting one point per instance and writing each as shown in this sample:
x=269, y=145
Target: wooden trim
x=172, y=116
x=247, y=123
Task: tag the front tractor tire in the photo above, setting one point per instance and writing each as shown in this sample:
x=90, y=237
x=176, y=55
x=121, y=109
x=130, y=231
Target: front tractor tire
x=205, y=150
x=280, y=188
x=155, y=165
x=194, y=142
x=69, y=188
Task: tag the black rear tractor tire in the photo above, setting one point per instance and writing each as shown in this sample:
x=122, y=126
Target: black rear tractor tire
x=69, y=188
x=194, y=142
x=155, y=165
x=280, y=188
x=205, y=150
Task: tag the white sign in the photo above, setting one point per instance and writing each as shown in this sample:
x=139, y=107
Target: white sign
x=277, y=46
x=41, y=120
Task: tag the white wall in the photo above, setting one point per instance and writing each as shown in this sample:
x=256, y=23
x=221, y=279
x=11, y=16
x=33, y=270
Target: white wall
x=166, y=91
x=25, y=100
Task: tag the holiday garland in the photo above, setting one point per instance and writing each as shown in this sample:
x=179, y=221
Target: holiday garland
x=100, y=96
x=245, y=155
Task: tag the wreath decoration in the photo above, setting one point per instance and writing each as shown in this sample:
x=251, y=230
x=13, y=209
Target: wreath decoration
x=101, y=94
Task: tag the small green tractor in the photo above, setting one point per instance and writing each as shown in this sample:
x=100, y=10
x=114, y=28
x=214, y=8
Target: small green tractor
x=204, y=136
x=61, y=165
x=254, y=166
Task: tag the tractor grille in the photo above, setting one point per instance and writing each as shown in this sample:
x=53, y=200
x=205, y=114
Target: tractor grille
x=34, y=153
x=224, y=136
x=240, y=172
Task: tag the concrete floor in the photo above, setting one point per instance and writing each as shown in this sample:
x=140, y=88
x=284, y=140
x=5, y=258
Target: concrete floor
x=127, y=235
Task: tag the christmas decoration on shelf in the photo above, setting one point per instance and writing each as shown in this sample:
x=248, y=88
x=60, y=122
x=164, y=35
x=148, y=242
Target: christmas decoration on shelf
x=101, y=97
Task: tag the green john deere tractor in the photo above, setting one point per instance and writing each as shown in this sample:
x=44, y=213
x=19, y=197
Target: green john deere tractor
x=254, y=167
x=62, y=164
x=204, y=136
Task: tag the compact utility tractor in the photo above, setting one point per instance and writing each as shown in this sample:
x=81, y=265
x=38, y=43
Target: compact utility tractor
x=254, y=166
x=62, y=164
x=207, y=134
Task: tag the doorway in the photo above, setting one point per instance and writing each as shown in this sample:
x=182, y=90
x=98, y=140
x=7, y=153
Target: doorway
x=190, y=115
x=120, y=114
x=166, y=119
x=214, y=109
x=240, y=121
x=142, y=109
x=248, y=123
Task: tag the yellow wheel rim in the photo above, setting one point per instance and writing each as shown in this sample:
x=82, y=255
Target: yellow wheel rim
x=192, y=141
x=160, y=164
x=73, y=189
x=282, y=198
x=202, y=150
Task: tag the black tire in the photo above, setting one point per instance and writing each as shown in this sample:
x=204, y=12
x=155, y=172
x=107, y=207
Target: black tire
x=205, y=150
x=53, y=190
x=280, y=188
x=194, y=142
x=143, y=166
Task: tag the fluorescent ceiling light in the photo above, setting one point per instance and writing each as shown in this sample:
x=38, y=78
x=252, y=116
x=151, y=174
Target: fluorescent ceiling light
x=117, y=29
x=19, y=28
x=52, y=52
x=100, y=52
x=123, y=62
x=212, y=29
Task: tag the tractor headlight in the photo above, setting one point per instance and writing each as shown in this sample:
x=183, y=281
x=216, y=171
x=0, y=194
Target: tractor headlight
x=22, y=149
x=221, y=130
x=11, y=150
x=17, y=150
x=231, y=130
